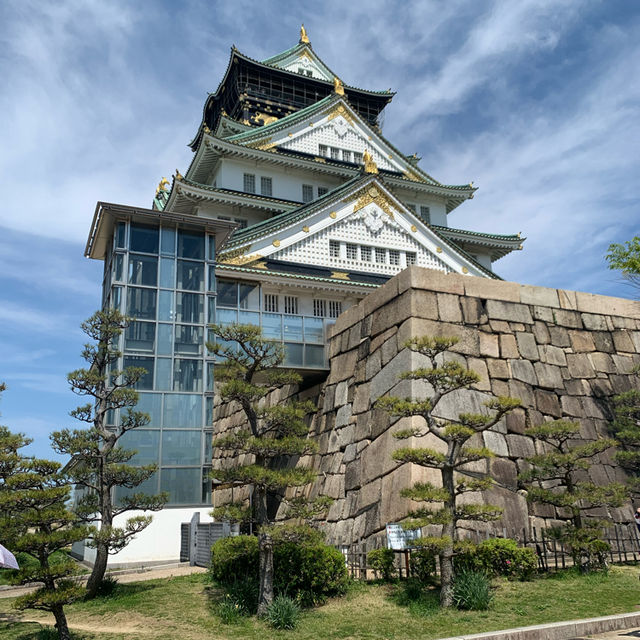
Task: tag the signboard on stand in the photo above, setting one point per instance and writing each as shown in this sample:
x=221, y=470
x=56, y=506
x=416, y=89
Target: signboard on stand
x=400, y=539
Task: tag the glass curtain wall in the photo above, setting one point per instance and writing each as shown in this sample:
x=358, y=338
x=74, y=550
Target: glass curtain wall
x=162, y=277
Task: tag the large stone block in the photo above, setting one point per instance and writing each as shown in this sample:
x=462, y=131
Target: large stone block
x=580, y=366
x=496, y=442
x=468, y=339
x=479, y=367
x=581, y=341
x=350, y=317
x=508, y=346
x=430, y=279
x=553, y=355
x=569, y=319
x=519, y=446
x=527, y=345
x=380, y=339
x=539, y=296
x=489, y=345
x=622, y=341
x=549, y=376
x=592, y=303
x=512, y=312
x=449, y=308
x=491, y=289
x=523, y=370
x=376, y=458
x=473, y=311
x=594, y=322
x=548, y=403
x=378, y=298
x=342, y=366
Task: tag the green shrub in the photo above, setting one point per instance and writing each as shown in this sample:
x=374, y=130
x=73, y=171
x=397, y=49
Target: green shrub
x=422, y=565
x=234, y=559
x=382, y=562
x=472, y=591
x=283, y=613
x=309, y=572
x=305, y=569
x=496, y=556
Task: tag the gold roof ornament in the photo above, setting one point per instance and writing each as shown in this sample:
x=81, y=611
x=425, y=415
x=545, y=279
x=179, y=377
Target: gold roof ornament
x=178, y=175
x=369, y=164
x=338, y=87
x=162, y=186
x=304, y=38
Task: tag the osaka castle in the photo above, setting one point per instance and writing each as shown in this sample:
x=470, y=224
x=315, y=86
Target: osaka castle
x=294, y=207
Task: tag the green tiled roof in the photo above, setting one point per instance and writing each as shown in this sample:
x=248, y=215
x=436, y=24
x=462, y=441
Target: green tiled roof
x=479, y=234
x=288, y=218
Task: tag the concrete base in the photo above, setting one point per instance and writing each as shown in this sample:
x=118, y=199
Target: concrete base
x=560, y=630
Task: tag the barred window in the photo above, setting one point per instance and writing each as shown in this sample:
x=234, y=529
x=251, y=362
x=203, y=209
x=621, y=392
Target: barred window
x=323, y=150
x=334, y=249
x=394, y=256
x=411, y=207
x=425, y=214
x=346, y=155
x=249, y=183
x=365, y=254
x=291, y=304
x=322, y=191
x=307, y=193
x=411, y=258
x=309, y=73
x=266, y=186
x=271, y=302
x=352, y=251
x=335, y=153
x=335, y=308
x=319, y=308
x=242, y=224
x=357, y=157
x=381, y=255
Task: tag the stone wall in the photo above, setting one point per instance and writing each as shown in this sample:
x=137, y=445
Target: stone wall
x=562, y=353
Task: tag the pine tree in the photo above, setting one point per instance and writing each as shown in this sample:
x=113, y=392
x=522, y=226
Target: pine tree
x=259, y=451
x=557, y=478
x=454, y=434
x=34, y=520
x=625, y=427
x=98, y=464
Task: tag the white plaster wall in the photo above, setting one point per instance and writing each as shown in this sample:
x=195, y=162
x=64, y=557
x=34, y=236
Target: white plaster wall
x=287, y=183
x=159, y=542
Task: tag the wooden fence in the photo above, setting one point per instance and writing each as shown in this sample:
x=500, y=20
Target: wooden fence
x=623, y=540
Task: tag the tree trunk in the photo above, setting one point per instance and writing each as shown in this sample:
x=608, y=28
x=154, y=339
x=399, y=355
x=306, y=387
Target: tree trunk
x=265, y=551
x=98, y=571
x=448, y=530
x=61, y=622
x=102, y=545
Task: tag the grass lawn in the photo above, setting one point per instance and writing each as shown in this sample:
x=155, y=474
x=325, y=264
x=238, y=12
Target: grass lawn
x=184, y=608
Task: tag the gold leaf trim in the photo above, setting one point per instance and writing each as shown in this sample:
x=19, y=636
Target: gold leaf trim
x=414, y=228
x=366, y=196
x=340, y=275
x=439, y=249
x=339, y=110
x=465, y=270
x=276, y=243
x=333, y=215
x=305, y=229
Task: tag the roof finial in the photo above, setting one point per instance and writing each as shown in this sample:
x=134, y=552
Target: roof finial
x=369, y=164
x=338, y=87
x=304, y=38
x=178, y=175
x=162, y=186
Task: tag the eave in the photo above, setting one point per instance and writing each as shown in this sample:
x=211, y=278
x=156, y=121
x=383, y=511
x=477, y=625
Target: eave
x=107, y=213
x=497, y=245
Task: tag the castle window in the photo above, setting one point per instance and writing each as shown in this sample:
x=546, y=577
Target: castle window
x=291, y=304
x=307, y=193
x=271, y=302
x=411, y=258
x=381, y=255
x=310, y=73
x=242, y=224
x=365, y=254
x=425, y=214
x=323, y=150
x=301, y=71
x=334, y=249
x=394, y=256
x=346, y=155
x=322, y=191
x=266, y=186
x=249, y=183
x=357, y=157
x=335, y=308
x=335, y=153
x=352, y=251
x=320, y=308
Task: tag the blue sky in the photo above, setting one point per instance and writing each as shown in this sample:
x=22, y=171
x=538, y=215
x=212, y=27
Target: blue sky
x=537, y=102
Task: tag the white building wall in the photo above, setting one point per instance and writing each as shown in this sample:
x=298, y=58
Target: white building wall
x=287, y=183
x=159, y=543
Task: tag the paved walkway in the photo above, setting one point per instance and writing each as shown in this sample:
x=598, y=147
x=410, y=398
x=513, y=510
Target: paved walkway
x=627, y=634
